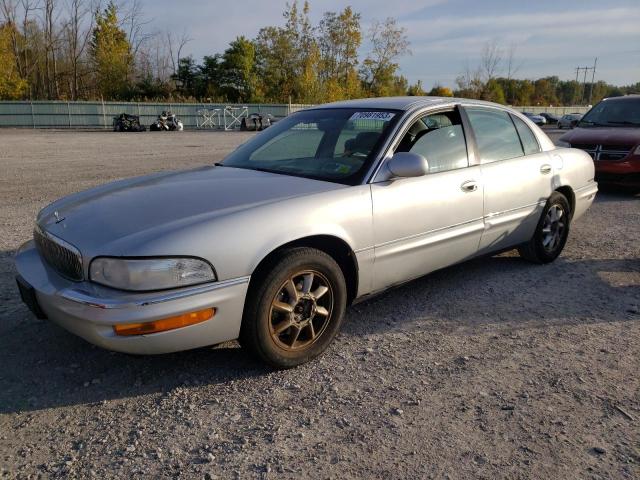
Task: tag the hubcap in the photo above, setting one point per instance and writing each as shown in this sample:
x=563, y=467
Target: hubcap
x=553, y=228
x=301, y=310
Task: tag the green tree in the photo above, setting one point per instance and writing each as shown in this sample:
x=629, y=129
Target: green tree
x=186, y=76
x=416, y=89
x=110, y=52
x=545, y=91
x=274, y=47
x=339, y=38
x=237, y=71
x=209, y=78
x=389, y=42
x=440, y=91
x=493, y=92
x=288, y=58
x=524, y=92
x=12, y=85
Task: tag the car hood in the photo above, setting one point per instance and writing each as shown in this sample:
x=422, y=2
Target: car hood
x=166, y=201
x=602, y=136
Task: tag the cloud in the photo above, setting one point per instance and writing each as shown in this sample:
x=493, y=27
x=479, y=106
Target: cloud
x=551, y=37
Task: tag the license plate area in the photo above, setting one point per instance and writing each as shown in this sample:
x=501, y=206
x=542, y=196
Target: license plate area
x=28, y=296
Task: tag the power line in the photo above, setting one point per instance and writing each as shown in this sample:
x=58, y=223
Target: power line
x=584, y=70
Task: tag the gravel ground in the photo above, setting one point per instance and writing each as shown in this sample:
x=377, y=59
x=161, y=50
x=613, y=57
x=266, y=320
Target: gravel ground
x=491, y=369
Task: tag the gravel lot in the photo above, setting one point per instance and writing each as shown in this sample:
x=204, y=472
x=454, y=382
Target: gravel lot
x=491, y=369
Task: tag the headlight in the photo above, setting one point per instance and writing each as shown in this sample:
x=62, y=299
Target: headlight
x=560, y=143
x=150, y=273
x=637, y=150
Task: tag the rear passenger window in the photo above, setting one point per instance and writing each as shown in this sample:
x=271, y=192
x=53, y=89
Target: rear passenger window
x=496, y=136
x=528, y=139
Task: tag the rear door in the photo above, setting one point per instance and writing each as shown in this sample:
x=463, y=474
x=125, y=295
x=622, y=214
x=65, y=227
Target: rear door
x=517, y=177
x=425, y=223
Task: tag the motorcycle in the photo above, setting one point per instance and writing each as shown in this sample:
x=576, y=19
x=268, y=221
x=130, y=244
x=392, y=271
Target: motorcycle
x=256, y=122
x=127, y=123
x=167, y=121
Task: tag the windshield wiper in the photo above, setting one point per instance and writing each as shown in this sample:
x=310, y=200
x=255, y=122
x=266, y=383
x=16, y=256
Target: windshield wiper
x=589, y=123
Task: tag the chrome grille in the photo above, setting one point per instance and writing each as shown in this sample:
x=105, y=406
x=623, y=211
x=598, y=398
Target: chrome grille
x=61, y=256
x=605, y=152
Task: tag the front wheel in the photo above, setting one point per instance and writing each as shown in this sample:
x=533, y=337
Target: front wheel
x=551, y=233
x=294, y=307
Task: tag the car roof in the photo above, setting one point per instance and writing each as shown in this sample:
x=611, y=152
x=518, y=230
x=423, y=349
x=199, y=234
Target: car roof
x=402, y=103
x=631, y=97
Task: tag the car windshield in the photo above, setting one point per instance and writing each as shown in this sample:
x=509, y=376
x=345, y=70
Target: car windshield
x=333, y=144
x=613, y=113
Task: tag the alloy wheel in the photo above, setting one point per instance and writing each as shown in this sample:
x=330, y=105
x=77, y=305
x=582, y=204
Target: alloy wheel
x=553, y=227
x=301, y=310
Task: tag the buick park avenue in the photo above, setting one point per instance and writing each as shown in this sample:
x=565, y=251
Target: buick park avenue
x=327, y=207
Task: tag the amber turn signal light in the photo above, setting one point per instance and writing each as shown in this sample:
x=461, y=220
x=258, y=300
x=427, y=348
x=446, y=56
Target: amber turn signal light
x=165, y=324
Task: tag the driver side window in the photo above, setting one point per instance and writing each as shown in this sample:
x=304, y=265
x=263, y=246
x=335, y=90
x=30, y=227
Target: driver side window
x=439, y=138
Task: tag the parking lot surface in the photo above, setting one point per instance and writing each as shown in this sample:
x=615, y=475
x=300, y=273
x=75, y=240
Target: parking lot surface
x=495, y=368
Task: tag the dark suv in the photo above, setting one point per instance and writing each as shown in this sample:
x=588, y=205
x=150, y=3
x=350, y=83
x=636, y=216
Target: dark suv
x=610, y=133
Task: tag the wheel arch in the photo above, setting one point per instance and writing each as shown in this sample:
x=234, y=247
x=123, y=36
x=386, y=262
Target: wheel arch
x=333, y=246
x=567, y=191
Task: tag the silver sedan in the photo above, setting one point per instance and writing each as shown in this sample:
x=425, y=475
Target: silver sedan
x=327, y=207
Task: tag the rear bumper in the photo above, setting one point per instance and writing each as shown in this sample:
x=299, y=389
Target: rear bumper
x=90, y=311
x=584, y=198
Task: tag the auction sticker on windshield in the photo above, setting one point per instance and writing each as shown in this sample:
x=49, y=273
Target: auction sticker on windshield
x=384, y=116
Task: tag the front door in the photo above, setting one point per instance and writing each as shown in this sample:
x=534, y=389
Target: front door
x=425, y=223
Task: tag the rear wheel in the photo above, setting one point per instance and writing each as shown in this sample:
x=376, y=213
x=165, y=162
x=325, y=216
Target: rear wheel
x=294, y=307
x=551, y=233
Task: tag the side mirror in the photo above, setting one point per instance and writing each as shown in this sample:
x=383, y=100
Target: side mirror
x=407, y=164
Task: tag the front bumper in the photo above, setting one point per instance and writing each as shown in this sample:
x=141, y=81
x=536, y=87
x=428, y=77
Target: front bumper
x=90, y=311
x=626, y=172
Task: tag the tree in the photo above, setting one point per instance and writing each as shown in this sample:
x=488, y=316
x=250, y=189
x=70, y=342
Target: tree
x=238, y=77
x=493, y=92
x=416, y=89
x=209, y=77
x=440, y=91
x=389, y=43
x=490, y=60
x=339, y=38
x=512, y=66
x=470, y=84
x=12, y=85
x=76, y=39
x=545, y=91
x=51, y=47
x=186, y=76
x=111, y=54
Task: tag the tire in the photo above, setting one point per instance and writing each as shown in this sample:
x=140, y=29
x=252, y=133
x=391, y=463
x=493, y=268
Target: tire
x=286, y=329
x=551, y=232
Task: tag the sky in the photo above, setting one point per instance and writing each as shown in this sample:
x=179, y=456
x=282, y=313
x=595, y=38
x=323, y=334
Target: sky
x=550, y=37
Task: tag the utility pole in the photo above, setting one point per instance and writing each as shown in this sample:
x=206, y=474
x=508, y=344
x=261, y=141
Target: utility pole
x=584, y=80
x=593, y=78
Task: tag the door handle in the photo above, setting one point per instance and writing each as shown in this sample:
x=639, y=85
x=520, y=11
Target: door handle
x=469, y=186
x=546, y=168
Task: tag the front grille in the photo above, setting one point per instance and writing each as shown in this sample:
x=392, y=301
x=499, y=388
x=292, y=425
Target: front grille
x=605, y=152
x=584, y=146
x=62, y=257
